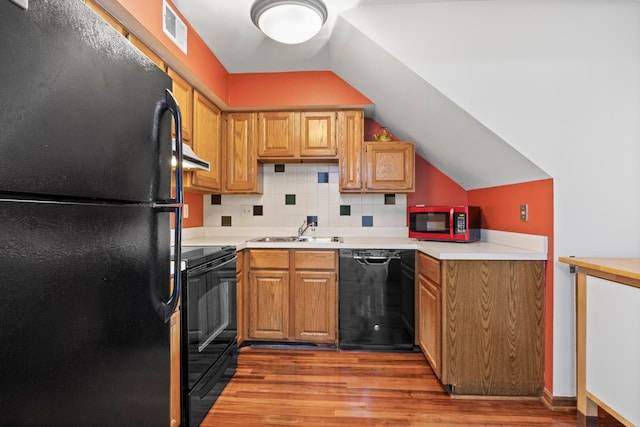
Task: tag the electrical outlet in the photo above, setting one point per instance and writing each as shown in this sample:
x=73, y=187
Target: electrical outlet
x=247, y=210
x=524, y=213
x=185, y=211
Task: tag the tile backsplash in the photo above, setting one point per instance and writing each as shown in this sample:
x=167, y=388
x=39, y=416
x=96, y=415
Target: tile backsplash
x=292, y=192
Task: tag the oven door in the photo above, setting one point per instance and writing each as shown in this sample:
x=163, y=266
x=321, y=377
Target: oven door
x=209, y=316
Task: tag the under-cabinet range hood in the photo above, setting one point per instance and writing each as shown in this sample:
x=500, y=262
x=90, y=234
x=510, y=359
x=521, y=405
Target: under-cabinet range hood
x=190, y=160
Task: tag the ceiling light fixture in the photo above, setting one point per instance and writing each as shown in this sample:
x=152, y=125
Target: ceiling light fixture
x=289, y=21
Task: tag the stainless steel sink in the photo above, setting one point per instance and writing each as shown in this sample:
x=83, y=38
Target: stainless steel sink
x=296, y=239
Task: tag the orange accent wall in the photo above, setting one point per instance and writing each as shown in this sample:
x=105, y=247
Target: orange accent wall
x=196, y=210
x=501, y=211
x=246, y=90
x=299, y=88
x=199, y=58
x=434, y=188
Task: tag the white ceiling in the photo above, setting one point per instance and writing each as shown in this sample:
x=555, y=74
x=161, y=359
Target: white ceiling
x=377, y=46
x=226, y=27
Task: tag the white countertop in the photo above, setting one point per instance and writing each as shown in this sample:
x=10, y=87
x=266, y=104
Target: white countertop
x=495, y=245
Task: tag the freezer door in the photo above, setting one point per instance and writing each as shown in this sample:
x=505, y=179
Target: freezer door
x=82, y=335
x=78, y=108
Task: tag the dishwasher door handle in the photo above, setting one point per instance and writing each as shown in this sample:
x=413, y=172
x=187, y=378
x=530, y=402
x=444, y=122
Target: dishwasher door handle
x=372, y=260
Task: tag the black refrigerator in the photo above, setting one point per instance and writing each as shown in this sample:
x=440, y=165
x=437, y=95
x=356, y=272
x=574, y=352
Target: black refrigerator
x=86, y=218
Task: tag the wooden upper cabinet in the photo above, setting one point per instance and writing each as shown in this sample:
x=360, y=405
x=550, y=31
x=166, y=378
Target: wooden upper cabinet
x=206, y=144
x=240, y=154
x=350, y=137
x=276, y=134
x=318, y=134
x=183, y=92
x=389, y=166
x=297, y=134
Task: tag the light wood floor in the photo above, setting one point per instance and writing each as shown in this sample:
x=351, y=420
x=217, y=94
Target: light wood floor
x=293, y=387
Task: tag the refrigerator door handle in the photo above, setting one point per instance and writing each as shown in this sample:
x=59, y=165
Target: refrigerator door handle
x=167, y=308
x=169, y=103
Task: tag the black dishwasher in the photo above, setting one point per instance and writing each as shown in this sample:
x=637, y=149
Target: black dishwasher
x=376, y=299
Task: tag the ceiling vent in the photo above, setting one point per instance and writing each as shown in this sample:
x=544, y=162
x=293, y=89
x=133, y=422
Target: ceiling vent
x=174, y=27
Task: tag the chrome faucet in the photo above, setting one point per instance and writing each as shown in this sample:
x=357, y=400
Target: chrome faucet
x=305, y=226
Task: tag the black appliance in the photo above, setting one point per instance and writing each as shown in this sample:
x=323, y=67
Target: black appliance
x=376, y=300
x=85, y=208
x=209, y=328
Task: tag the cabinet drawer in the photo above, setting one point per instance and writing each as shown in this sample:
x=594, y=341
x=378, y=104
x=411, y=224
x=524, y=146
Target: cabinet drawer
x=429, y=267
x=269, y=258
x=315, y=260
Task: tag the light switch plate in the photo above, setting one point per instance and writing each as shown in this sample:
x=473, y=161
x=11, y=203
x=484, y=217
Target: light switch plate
x=524, y=213
x=22, y=3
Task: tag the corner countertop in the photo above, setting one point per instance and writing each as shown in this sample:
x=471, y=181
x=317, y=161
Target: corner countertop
x=494, y=245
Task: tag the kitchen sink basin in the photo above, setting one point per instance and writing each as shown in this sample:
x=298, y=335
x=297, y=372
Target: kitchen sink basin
x=296, y=239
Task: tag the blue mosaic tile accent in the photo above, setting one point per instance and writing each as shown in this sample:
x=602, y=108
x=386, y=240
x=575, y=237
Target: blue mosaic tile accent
x=313, y=219
x=323, y=177
x=367, y=221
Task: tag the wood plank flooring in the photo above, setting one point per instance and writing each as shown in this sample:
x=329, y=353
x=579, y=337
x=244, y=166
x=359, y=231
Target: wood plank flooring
x=300, y=387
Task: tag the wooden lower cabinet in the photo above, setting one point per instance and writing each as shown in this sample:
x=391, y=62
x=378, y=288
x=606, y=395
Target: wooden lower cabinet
x=315, y=306
x=241, y=290
x=491, y=331
x=268, y=304
x=292, y=295
x=430, y=329
x=174, y=375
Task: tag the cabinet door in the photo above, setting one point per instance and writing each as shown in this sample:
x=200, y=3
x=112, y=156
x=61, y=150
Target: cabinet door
x=494, y=327
x=175, y=390
x=430, y=319
x=276, y=134
x=315, y=306
x=269, y=304
x=206, y=144
x=183, y=92
x=350, y=140
x=318, y=134
x=390, y=166
x=241, y=293
x=240, y=154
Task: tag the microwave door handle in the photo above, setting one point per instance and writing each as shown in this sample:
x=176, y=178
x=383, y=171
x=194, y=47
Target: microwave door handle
x=451, y=224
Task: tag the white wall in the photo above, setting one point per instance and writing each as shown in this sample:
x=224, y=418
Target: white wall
x=559, y=80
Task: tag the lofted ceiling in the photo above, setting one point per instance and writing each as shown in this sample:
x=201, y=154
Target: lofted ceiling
x=374, y=45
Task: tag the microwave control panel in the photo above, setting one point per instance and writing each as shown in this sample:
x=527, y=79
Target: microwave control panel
x=460, y=223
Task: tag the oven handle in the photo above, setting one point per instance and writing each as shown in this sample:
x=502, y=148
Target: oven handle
x=210, y=265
